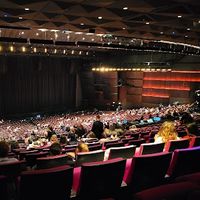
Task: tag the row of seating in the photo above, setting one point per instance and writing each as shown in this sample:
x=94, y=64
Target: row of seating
x=103, y=178
x=36, y=157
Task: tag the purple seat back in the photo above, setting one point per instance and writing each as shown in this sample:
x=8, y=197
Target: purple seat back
x=148, y=171
x=185, y=161
x=51, y=184
x=101, y=179
x=53, y=161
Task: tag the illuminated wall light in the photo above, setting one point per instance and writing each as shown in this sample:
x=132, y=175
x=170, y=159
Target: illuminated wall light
x=56, y=35
x=106, y=69
x=138, y=69
x=1, y=48
x=143, y=69
x=87, y=53
x=34, y=50
x=23, y=49
x=118, y=69
x=11, y=48
x=157, y=70
x=80, y=52
x=97, y=69
x=93, y=69
x=37, y=34
x=83, y=38
x=64, y=51
x=22, y=32
x=45, y=50
x=129, y=69
x=72, y=51
x=55, y=50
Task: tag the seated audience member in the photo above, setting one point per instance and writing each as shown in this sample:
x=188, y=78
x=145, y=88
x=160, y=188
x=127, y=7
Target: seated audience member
x=82, y=147
x=192, y=129
x=55, y=149
x=4, y=149
x=54, y=139
x=80, y=130
x=63, y=140
x=167, y=132
x=72, y=137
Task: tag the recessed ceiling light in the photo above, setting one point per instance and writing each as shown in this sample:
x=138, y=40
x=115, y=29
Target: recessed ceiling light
x=186, y=36
x=147, y=23
x=26, y=9
x=20, y=17
x=161, y=32
x=188, y=29
x=124, y=28
x=81, y=24
x=179, y=16
x=100, y=17
x=125, y=8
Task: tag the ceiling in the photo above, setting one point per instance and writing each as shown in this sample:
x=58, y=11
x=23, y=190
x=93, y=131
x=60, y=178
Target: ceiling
x=169, y=20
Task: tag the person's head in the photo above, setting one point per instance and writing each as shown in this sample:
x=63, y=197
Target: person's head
x=192, y=128
x=54, y=138
x=4, y=149
x=14, y=145
x=55, y=149
x=98, y=117
x=82, y=147
x=168, y=131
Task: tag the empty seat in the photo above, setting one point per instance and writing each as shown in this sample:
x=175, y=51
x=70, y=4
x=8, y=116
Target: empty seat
x=51, y=184
x=174, y=191
x=195, y=141
x=95, y=147
x=101, y=179
x=32, y=157
x=53, y=161
x=149, y=148
x=93, y=156
x=147, y=171
x=121, y=152
x=194, y=178
x=184, y=161
x=136, y=142
x=114, y=144
x=177, y=144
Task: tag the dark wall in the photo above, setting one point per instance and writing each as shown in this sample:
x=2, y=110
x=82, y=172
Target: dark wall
x=36, y=83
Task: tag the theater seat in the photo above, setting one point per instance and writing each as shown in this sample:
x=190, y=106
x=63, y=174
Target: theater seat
x=101, y=179
x=49, y=184
x=174, y=191
x=147, y=171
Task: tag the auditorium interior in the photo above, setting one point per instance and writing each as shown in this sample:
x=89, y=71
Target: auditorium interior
x=99, y=99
